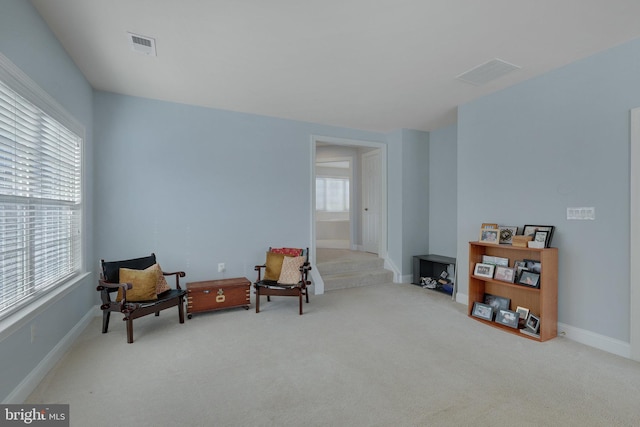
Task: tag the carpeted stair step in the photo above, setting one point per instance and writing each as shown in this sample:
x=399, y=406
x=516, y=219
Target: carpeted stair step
x=352, y=279
x=345, y=266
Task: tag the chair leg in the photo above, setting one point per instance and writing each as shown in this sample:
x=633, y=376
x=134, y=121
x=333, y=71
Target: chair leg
x=300, y=298
x=129, y=330
x=257, y=299
x=181, y=310
x=306, y=294
x=105, y=321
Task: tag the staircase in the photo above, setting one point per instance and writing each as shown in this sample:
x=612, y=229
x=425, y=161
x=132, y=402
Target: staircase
x=342, y=268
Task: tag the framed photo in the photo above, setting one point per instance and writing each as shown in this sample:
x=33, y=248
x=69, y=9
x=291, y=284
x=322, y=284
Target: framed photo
x=508, y=318
x=505, y=274
x=490, y=235
x=532, y=324
x=529, y=278
x=524, y=312
x=533, y=265
x=496, y=260
x=482, y=311
x=498, y=303
x=484, y=270
x=506, y=233
x=530, y=230
x=489, y=225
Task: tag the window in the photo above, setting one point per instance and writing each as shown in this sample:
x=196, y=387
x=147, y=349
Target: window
x=40, y=194
x=332, y=194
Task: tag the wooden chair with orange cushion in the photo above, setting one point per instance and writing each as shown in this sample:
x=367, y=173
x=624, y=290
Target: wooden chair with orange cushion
x=286, y=272
x=141, y=289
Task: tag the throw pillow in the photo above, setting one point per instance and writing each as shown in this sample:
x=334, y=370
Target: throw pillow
x=287, y=251
x=290, y=273
x=144, y=284
x=274, y=265
x=162, y=284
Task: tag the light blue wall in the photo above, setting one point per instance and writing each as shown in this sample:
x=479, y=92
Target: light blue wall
x=200, y=186
x=27, y=42
x=407, y=198
x=527, y=153
x=443, y=212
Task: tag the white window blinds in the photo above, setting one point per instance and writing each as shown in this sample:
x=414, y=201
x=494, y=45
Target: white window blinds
x=40, y=201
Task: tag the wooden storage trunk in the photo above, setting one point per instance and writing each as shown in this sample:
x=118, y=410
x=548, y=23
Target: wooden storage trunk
x=211, y=295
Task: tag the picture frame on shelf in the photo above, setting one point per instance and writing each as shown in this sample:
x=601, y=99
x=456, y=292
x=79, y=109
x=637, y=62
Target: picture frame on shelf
x=495, y=260
x=482, y=311
x=506, y=233
x=490, y=235
x=505, y=274
x=532, y=324
x=541, y=236
x=484, y=270
x=524, y=312
x=529, y=278
x=488, y=225
x=508, y=318
x=497, y=302
x=530, y=230
x=533, y=265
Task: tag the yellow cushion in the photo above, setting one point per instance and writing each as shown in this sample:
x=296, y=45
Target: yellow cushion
x=274, y=265
x=144, y=284
x=290, y=273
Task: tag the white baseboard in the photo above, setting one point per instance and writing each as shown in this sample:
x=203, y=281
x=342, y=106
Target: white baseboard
x=462, y=298
x=602, y=342
x=31, y=381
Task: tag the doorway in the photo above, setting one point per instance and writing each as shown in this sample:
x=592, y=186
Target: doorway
x=361, y=162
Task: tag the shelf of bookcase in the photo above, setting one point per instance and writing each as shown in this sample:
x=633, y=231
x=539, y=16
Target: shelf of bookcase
x=542, y=301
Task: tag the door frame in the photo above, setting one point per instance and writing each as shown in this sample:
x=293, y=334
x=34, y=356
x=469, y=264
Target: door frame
x=634, y=244
x=382, y=242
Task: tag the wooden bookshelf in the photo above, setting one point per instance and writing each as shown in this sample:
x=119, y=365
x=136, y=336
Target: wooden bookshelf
x=542, y=301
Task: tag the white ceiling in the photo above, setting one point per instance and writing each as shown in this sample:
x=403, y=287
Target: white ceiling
x=368, y=64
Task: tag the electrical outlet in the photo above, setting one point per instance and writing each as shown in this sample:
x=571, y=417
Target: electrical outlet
x=221, y=267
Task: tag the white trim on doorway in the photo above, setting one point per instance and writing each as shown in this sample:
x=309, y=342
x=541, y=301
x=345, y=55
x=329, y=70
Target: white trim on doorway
x=318, y=283
x=634, y=249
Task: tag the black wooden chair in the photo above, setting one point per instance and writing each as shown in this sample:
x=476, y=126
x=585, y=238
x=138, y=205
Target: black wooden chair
x=110, y=282
x=286, y=273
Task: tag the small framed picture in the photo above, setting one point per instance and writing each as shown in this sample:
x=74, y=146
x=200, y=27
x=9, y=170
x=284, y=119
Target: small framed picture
x=498, y=303
x=484, y=270
x=532, y=324
x=505, y=274
x=489, y=225
x=533, y=265
x=506, y=233
x=490, y=235
x=530, y=230
x=541, y=236
x=529, y=278
x=524, y=312
x=483, y=311
x=508, y=318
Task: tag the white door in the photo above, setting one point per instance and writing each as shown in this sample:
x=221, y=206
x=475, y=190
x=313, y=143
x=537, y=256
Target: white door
x=371, y=201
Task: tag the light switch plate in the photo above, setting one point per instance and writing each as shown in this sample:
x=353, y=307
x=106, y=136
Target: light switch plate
x=584, y=213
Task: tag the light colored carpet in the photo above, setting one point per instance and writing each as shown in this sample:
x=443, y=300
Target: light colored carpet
x=384, y=355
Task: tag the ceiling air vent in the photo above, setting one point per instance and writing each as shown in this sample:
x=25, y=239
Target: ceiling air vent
x=142, y=44
x=484, y=73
